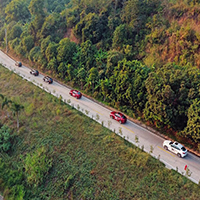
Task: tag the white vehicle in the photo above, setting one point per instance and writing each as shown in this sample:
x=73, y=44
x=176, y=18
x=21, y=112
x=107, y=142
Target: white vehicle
x=175, y=147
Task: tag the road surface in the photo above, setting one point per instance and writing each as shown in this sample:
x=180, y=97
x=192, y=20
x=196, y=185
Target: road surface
x=130, y=131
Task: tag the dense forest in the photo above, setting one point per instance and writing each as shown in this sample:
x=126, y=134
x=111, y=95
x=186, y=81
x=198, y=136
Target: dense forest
x=139, y=56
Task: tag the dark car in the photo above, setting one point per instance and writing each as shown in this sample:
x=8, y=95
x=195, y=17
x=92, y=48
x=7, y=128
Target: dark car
x=48, y=79
x=18, y=64
x=34, y=72
x=118, y=117
x=75, y=93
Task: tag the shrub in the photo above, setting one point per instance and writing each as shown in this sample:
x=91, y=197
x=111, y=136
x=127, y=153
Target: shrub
x=36, y=166
x=5, y=137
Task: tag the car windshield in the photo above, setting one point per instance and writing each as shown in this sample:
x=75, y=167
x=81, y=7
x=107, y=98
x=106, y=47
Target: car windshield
x=123, y=117
x=183, y=149
x=78, y=93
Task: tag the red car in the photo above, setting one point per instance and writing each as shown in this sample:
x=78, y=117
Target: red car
x=118, y=117
x=75, y=93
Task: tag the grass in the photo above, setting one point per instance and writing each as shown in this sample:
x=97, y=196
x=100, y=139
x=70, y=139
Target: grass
x=89, y=161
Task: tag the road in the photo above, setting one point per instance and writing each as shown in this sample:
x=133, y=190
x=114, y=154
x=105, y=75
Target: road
x=130, y=131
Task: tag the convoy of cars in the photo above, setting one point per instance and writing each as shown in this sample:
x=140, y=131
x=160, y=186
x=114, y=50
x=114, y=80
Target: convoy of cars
x=174, y=147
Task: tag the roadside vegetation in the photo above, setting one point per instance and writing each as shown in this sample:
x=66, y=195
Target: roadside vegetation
x=59, y=153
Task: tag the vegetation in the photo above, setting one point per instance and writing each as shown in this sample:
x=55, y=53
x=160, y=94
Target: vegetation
x=51, y=157
x=141, y=57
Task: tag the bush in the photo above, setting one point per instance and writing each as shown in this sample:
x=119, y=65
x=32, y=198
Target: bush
x=5, y=137
x=36, y=166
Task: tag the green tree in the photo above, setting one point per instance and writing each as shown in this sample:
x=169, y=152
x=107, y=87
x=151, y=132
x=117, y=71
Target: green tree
x=15, y=32
x=34, y=54
x=62, y=69
x=93, y=76
x=192, y=130
x=171, y=90
x=81, y=76
x=106, y=88
x=5, y=102
x=50, y=25
x=17, y=10
x=122, y=36
x=44, y=44
x=51, y=51
x=16, y=109
x=128, y=83
x=36, y=8
x=53, y=65
x=28, y=43
x=112, y=61
x=66, y=49
x=86, y=55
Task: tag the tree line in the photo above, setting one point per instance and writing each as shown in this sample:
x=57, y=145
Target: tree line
x=117, y=55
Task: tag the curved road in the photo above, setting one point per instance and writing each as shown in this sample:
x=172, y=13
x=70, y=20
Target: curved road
x=129, y=131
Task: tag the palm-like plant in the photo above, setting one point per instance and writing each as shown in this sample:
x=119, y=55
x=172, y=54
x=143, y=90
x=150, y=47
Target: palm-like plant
x=6, y=102
x=16, y=108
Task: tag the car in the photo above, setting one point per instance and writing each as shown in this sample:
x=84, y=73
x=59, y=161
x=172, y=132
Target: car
x=75, y=93
x=19, y=64
x=34, y=72
x=118, y=117
x=175, y=147
x=48, y=79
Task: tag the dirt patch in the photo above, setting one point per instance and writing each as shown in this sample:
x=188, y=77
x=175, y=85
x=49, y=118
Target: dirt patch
x=69, y=34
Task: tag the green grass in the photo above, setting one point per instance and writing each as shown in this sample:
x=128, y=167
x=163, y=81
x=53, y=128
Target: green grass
x=89, y=161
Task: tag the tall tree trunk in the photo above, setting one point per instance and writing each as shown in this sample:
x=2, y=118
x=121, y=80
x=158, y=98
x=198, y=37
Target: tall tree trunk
x=17, y=121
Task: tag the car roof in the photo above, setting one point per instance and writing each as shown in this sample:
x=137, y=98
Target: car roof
x=178, y=145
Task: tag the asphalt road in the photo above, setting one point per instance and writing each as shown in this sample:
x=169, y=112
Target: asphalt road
x=129, y=131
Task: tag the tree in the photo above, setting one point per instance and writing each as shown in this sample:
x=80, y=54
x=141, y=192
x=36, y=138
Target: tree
x=38, y=14
x=86, y=55
x=128, y=83
x=51, y=51
x=113, y=58
x=192, y=130
x=62, y=69
x=66, y=49
x=15, y=32
x=17, y=10
x=171, y=90
x=122, y=36
x=93, y=76
x=28, y=43
x=101, y=57
x=106, y=88
x=81, y=76
x=50, y=25
x=16, y=109
x=34, y=54
x=6, y=102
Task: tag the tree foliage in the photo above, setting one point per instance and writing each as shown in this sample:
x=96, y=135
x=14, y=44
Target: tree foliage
x=17, y=10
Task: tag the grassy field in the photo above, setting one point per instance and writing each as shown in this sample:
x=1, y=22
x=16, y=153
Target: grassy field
x=87, y=161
